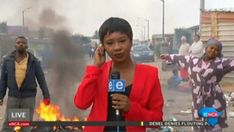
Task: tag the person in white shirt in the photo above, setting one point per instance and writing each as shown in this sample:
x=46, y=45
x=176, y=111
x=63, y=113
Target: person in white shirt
x=184, y=50
x=184, y=47
x=197, y=48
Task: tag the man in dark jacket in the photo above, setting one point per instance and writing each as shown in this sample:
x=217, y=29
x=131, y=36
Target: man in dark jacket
x=19, y=72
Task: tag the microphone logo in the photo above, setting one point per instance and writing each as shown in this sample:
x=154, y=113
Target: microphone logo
x=116, y=85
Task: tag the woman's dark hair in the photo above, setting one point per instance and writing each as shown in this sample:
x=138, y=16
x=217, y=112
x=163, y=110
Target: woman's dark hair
x=197, y=35
x=115, y=24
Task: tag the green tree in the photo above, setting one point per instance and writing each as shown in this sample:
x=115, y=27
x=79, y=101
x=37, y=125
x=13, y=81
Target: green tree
x=80, y=39
x=3, y=27
x=96, y=35
x=41, y=33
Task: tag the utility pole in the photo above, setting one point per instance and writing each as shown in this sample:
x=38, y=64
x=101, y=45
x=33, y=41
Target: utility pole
x=147, y=22
x=143, y=32
x=202, y=5
x=23, y=11
x=163, y=35
x=202, y=8
x=23, y=17
x=148, y=29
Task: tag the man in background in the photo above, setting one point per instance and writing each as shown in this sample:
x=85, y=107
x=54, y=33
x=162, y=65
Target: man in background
x=197, y=48
x=184, y=50
x=184, y=46
x=19, y=72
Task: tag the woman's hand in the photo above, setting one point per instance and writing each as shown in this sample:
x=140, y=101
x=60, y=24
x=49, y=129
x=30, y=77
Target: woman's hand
x=99, y=56
x=120, y=102
x=163, y=56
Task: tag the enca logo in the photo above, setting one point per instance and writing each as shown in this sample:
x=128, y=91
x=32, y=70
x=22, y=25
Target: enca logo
x=212, y=114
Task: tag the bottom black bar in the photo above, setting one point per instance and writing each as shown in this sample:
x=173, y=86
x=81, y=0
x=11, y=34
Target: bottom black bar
x=84, y=123
x=126, y=123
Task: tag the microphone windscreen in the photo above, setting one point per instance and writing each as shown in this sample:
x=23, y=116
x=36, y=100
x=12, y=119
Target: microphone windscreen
x=115, y=75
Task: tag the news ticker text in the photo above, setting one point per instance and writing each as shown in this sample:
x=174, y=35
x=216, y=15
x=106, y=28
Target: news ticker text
x=104, y=123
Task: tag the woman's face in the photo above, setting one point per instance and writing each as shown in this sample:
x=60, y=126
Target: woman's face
x=195, y=38
x=118, y=46
x=212, y=51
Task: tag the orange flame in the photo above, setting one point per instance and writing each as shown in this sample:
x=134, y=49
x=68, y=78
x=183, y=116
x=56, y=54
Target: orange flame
x=17, y=128
x=52, y=112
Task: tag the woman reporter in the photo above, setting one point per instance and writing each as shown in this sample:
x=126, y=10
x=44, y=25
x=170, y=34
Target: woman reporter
x=142, y=99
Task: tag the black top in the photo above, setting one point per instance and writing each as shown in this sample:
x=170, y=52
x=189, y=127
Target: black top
x=111, y=112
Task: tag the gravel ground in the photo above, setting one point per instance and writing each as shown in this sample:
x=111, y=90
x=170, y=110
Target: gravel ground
x=175, y=102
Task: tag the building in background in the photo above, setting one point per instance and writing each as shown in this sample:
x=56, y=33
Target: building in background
x=15, y=31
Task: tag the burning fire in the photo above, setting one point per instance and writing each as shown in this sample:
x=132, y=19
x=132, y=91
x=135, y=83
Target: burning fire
x=52, y=113
x=17, y=129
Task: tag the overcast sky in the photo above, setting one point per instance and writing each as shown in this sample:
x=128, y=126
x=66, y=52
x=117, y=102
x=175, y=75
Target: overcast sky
x=86, y=16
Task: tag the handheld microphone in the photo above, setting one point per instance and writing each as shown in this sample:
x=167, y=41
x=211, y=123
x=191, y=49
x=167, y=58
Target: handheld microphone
x=116, y=85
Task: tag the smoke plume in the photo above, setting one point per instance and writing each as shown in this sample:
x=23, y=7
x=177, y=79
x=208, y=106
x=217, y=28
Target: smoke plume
x=66, y=63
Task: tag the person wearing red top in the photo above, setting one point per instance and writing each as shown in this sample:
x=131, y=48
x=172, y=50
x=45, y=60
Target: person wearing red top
x=143, y=100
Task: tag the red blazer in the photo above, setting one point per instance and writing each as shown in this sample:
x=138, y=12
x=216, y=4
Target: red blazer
x=146, y=100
